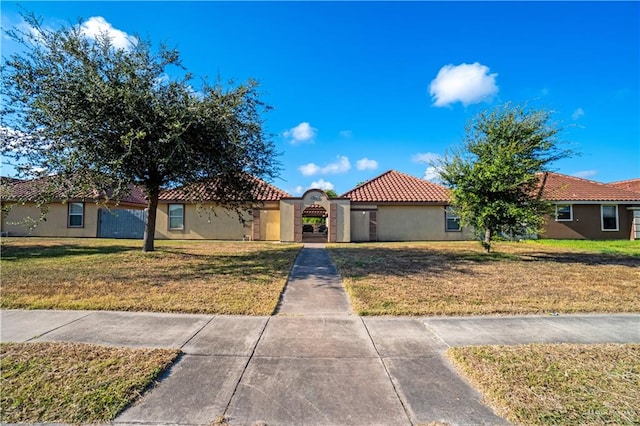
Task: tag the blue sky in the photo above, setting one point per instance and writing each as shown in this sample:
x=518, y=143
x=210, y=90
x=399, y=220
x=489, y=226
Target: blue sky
x=359, y=88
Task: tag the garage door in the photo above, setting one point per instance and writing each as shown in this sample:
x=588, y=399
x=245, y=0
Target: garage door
x=121, y=223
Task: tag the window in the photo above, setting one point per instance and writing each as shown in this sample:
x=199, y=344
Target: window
x=452, y=219
x=609, y=217
x=564, y=212
x=76, y=215
x=176, y=216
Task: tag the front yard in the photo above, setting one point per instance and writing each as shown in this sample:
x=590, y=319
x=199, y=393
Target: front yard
x=456, y=278
x=180, y=276
x=529, y=384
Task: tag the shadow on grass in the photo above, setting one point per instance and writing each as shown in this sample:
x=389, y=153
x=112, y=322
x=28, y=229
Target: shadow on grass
x=368, y=260
x=249, y=264
x=37, y=251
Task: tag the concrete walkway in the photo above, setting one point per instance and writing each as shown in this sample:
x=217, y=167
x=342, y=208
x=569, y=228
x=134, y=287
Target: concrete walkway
x=314, y=363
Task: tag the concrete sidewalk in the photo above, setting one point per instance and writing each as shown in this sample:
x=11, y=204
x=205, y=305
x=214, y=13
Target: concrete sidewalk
x=315, y=362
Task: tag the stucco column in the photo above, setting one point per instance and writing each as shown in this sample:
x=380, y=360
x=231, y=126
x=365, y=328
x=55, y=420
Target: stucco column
x=297, y=223
x=333, y=222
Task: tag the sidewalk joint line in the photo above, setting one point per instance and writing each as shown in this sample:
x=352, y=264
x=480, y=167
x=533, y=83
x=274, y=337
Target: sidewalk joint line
x=432, y=331
x=59, y=327
x=244, y=370
x=198, y=331
x=387, y=372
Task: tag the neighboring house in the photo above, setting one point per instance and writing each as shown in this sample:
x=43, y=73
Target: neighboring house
x=398, y=207
x=585, y=209
x=179, y=218
x=74, y=215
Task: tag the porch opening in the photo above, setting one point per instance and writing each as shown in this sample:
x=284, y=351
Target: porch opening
x=314, y=224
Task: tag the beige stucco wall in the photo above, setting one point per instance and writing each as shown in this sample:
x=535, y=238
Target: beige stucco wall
x=286, y=220
x=55, y=223
x=206, y=222
x=344, y=220
x=415, y=223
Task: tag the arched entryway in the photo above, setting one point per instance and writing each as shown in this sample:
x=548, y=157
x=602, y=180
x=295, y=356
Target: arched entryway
x=314, y=224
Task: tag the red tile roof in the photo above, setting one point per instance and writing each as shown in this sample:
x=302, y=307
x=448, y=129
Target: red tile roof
x=559, y=187
x=315, y=210
x=628, y=185
x=31, y=190
x=205, y=190
x=397, y=187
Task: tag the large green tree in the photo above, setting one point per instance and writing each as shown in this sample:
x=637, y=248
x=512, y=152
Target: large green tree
x=78, y=106
x=493, y=175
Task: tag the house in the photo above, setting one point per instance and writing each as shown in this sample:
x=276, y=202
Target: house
x=70, y=214
x=178, y=218
x=398, y=207
x=393, y=206
x=585, y=209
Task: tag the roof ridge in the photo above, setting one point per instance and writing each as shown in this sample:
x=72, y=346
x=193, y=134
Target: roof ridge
x=367, y=182
x=559, y=186
x=624, y=181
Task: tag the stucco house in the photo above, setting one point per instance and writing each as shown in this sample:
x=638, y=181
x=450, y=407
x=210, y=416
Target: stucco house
x=585, y=209
x=178, y=218
x=70, y=214
x=393, y=206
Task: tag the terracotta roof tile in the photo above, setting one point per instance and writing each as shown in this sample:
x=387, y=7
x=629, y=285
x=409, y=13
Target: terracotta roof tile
x=205, y=191
x=397, y=187
x=628, y=185
x=30, y=190
x=559, y=187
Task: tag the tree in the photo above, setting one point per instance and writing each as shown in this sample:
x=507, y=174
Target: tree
x=331, y=193
x=112, y=117
x=493, y=175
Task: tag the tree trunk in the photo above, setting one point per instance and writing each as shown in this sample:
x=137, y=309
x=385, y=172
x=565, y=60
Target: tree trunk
x=486, y=243
x=150, y=226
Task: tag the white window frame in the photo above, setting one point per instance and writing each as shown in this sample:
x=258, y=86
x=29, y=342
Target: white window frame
x=570, y=212
x=448, y=214
x=602, y=218
x=170, y=216
x=70, y=214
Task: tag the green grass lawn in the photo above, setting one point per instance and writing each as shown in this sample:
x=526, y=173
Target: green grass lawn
x=72, y=382
x=623, y=247
x=456, y=278
x=180, y=276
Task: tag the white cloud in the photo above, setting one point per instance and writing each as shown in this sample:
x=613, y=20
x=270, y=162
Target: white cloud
x=97, y=26
x=309, y=169
x=299, y=189
x=426, y=157
x=432, y=174
x=585, y=173
x=577, y=113
x=366, y=164
x=466, y=83
x=346, y=133
x=321, y=184
x=341, y=165
x=303, y=132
